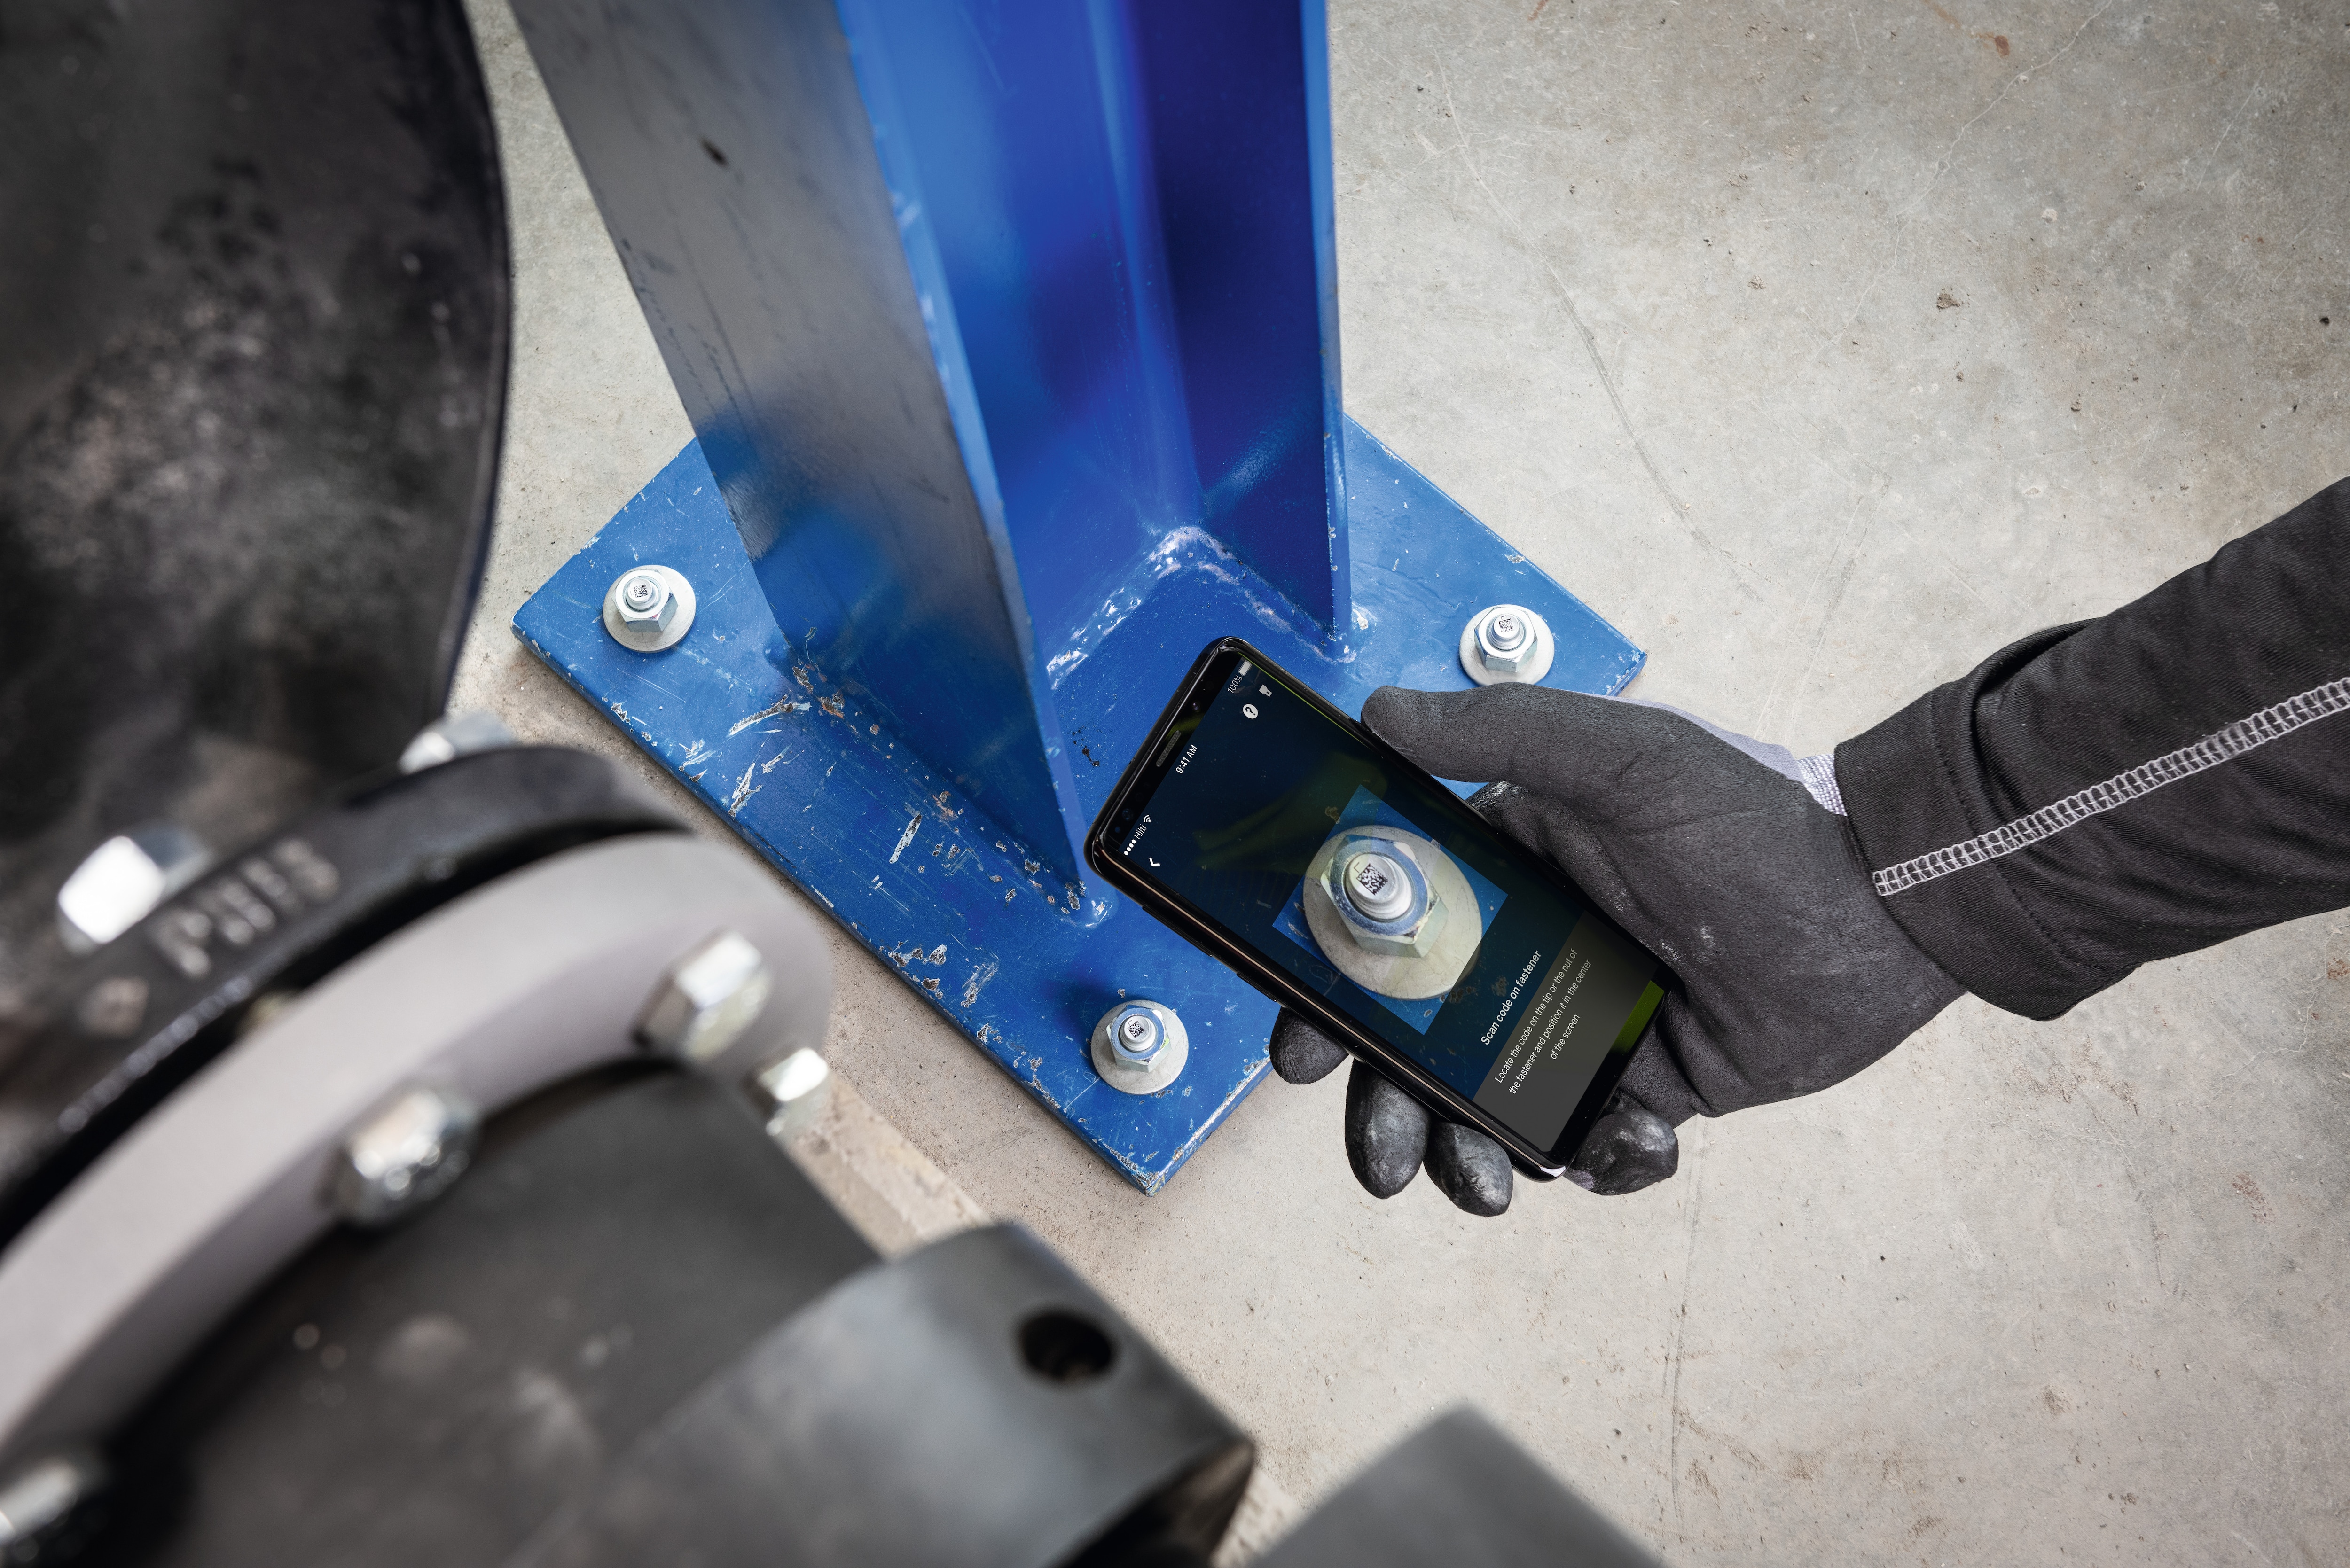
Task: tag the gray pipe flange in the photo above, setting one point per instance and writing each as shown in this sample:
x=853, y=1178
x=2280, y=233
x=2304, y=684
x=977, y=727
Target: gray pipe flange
x=359, y=1099
x=1140, y=1047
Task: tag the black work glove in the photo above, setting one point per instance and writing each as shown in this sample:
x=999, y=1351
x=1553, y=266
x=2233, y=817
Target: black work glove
x=1793, y=976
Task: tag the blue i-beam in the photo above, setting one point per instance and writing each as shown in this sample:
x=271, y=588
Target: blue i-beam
x=1009, y=332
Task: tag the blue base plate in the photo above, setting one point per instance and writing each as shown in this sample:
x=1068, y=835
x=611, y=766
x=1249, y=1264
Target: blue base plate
x=1018, y=959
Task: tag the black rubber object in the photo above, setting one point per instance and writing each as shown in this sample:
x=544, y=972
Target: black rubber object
x=436, y=1394
x=971, y=1403
x=255, y=309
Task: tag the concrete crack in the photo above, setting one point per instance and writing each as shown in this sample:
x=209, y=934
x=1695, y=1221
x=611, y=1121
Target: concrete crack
x=1942, y=167
x=1681, y=1340
x=1678, y=508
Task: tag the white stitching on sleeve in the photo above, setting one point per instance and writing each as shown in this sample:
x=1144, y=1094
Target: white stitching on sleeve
x=2237, y=738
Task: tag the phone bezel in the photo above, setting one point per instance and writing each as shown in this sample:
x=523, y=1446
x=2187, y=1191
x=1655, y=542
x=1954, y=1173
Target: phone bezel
x=1148, y=770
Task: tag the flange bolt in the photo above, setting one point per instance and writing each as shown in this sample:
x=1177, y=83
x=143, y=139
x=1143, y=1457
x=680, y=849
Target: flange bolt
x=706, y=1000
x=37, y=1503
x=403, y=1156
x=791, y=1091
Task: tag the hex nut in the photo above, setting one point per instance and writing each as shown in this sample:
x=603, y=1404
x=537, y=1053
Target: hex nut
x=37, y=1501
x=707, y=999
x=1505, y=643
x=1161, y=1059
x=1400, y=917
x=1339, y=936
x=791, y=1091
x=648, y=607
x=453, y=736
x=403, y=1155
x=119, y=882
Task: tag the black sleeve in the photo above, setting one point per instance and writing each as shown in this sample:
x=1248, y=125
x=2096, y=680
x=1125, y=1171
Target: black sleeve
x=2129, y=788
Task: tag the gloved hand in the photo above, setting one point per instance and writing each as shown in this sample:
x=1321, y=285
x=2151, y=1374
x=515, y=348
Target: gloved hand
x=1711, y=851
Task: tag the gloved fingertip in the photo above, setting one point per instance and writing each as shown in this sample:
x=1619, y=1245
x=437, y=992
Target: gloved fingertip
x=1300, y=1052
x=1414, y=722
x=1386, y=1133
x=1471, y=1169
x=1400, y=707
x=1652, y=1079
x=1629, y=1148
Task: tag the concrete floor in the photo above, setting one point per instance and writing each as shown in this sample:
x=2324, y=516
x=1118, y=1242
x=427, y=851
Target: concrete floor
x=1823, y=349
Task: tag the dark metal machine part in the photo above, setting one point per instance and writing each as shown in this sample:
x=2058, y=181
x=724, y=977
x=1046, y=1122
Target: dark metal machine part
x=973, y=1403
x=434, y=1393
x=1457, y=1490
x=124, y=1026
x=255, y=311
x=631, y=1334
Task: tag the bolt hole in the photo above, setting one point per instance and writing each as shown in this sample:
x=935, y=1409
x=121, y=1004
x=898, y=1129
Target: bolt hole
x=1062, y=1347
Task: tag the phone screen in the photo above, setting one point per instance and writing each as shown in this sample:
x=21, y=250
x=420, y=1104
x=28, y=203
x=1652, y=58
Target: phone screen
x=1378, y=890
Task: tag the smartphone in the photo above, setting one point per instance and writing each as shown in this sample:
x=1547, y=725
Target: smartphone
x=1287, y=840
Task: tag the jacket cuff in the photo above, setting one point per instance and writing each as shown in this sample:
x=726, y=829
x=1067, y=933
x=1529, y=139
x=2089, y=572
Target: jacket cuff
x=1911, y=785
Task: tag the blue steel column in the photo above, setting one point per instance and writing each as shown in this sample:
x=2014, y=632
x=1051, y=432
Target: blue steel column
x=1010, y=334
x=976, y=309
x=1110, y=208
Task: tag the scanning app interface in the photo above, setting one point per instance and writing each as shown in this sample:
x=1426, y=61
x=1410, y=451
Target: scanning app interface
x=1287, y=830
